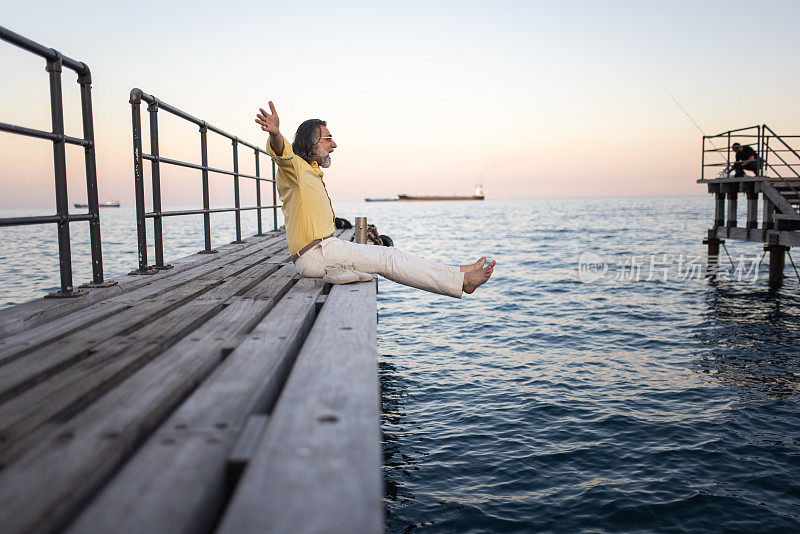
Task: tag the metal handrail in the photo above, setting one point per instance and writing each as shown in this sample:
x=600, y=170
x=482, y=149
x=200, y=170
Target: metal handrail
x=763, y=151
x=157, y=214
x=730, y=135
x=789, y=148
x=55, y=63
x=723, y=134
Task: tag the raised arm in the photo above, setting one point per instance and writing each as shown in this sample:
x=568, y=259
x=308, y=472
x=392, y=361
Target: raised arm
x=271, y=123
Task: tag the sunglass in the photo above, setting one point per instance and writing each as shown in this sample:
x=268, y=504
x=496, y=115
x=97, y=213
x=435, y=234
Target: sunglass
x=326, y=137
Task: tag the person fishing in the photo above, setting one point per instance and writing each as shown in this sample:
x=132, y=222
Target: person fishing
x=746, y=160
x=309, y=220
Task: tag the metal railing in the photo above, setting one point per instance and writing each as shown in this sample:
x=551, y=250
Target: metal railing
x=769, y=148
x=55, y=63
x=744, y=136
x=155, y=159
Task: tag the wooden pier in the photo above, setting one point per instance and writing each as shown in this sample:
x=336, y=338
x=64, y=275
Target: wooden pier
x=225, y=394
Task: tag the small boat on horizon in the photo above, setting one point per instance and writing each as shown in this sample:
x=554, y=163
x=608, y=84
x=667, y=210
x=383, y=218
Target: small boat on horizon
x=106, y=204
x=478, y=195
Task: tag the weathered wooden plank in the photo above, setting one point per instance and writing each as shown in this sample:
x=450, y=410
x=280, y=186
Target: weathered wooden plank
x=102, y=367
x=177, y=481
x=127, y=314
x=50, y=359
x=34, y=337
x=247, y=441
x=40, y=311
x=743, y=234
x=265, y=287
x=318, y=468
x=42, y=489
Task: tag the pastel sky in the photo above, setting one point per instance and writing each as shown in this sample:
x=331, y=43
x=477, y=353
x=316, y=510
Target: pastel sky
x=529, y=98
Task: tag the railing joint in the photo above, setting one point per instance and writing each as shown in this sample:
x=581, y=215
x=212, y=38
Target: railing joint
x=55, y=64
x=85, y=75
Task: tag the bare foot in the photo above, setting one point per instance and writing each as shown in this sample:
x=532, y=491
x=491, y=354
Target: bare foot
x=472, y=279
x=473, y=266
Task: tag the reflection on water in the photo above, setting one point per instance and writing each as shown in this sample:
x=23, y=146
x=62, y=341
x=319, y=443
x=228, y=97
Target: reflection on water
x=752, y=337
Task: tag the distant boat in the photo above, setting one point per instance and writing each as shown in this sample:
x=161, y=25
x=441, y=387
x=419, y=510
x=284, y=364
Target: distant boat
x=393, y=199
x=106, y=204
x=477, y=196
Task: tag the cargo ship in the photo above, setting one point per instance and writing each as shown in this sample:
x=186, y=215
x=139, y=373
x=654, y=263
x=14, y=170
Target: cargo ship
x=478, y=195
x=106, y=204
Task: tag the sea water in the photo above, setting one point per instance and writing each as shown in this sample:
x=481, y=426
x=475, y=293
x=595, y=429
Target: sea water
x=597, y=383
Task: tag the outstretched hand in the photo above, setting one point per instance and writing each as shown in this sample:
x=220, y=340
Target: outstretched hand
x=269, y=122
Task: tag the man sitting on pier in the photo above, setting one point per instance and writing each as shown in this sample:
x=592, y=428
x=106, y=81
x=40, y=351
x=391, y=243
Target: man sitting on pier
x=308, y=216
x=746, y=159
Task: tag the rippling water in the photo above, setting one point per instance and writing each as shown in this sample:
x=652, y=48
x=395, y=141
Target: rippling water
x=646, y=400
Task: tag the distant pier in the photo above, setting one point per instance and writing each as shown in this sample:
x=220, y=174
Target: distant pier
x=776, y=182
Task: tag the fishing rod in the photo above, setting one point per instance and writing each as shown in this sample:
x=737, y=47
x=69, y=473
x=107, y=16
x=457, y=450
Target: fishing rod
x=716, y=149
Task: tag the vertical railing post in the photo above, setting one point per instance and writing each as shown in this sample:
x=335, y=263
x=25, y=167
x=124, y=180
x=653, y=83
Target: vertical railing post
x=155, y=173
x=85, y=81
x=274, y=199
x=760, y=154
x=728, y=154
x=258, y=192
x=236, y=202
x=206, y=201
x=703, y=159
x=60, y=167
x=138, y=180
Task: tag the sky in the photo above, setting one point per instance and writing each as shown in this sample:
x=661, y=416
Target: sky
x=527, y=98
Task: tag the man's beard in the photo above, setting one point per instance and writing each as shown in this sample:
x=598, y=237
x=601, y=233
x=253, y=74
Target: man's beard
x=326, y=160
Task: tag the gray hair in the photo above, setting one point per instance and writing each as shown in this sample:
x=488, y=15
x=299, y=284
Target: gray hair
x=306, y=139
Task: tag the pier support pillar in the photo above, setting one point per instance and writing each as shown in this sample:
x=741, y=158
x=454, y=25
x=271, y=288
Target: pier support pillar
x=713, y=243
x=719, y=209
x=769, y=213
x=732, y=201
x=752, y=208
x=777, y=261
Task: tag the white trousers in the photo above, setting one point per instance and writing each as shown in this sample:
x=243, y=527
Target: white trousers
x=388, y=262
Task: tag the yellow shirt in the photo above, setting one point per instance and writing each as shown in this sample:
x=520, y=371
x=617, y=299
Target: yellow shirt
x=307, y=209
